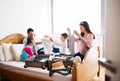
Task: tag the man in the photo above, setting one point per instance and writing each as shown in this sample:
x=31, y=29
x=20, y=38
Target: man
x=30, y=33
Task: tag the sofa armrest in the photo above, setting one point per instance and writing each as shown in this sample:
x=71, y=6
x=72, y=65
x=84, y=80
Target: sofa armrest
x=87, y=69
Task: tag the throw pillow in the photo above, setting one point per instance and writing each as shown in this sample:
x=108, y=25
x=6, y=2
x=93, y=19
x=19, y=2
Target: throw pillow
x=16, y=50
x=7, y=51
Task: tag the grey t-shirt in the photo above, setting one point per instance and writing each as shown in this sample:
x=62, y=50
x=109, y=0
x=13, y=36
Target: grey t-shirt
x=71, y=44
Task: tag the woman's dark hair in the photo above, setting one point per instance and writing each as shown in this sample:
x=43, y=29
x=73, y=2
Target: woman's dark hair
x=87, y=28
x=29, y=30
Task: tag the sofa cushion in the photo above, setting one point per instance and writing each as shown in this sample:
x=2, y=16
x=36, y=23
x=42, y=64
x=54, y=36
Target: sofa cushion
x=16, y=50
x=7, y=51
x=2, y=57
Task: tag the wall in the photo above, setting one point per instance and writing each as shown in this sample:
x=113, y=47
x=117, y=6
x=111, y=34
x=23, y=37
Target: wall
x=112, y=38
x=18, y=15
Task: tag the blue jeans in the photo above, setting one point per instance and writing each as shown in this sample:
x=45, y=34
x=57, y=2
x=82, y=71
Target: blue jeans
x=55, y=50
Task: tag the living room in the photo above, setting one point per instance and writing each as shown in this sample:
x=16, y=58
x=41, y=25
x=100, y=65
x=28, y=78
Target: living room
x=49, y=17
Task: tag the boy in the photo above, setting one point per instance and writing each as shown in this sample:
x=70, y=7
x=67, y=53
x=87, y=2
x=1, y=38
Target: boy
x=62, y=45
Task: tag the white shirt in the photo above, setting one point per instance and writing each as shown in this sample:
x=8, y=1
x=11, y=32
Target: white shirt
x=25, y=41
x=62, y=46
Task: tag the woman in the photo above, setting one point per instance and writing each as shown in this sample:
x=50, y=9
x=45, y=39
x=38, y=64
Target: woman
x=84, y=40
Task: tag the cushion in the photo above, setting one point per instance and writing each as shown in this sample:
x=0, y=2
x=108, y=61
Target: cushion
x=7, y=51
x=23, y=56
x=2, y=57
x=16, y=50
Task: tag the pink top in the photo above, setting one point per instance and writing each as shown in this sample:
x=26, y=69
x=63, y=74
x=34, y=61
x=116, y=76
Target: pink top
x=28, y=50
x=84, y=44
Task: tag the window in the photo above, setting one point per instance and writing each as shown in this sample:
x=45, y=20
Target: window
x=69, y=13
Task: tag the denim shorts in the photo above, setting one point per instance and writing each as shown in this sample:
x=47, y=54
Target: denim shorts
x=80, y=55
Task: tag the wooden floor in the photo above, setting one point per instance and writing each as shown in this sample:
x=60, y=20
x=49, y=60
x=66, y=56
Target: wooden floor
x=102, y=75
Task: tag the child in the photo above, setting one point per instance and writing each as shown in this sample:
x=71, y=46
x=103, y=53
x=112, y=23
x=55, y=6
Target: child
x=63, y=43
x=29, y=48
x=27, y=51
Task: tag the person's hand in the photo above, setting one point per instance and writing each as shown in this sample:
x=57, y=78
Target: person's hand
x=38, y=43
x=76, y=32
x=46, y=36
x=68, y=30
x=51, y=39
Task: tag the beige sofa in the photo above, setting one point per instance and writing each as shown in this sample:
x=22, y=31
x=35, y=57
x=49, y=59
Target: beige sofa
x=84, y=72
x=88, y=68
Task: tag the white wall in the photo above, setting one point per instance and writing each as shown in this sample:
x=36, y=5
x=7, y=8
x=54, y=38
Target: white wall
x=18, y=15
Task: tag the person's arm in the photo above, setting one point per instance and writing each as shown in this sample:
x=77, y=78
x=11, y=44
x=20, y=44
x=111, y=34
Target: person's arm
x=79, y=36
x=58, y=44
x=25, y=41
x=46, y=36
x=36, y=43
x=69, y=31
x=87, y=41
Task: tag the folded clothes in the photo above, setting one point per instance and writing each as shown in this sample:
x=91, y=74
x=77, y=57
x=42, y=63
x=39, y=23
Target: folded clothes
x=41, y=60
x=66, y=72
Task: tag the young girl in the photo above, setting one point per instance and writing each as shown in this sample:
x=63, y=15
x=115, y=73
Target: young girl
x=29, y=48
